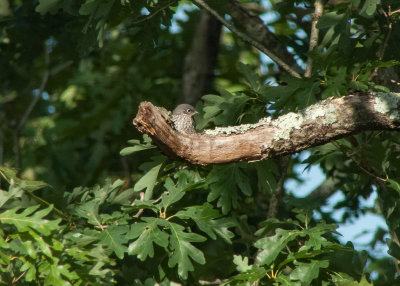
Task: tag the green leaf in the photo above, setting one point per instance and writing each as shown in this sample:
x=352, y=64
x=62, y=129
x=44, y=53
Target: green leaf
x=385, y=64
x=205, y=218
x=42, y=244
x=330, y=19
x=147, y=233
x=124, y=197
x=394, y=248
x=51, y=6
x=336, y=84
x=90, y=211
x=247, y=277
x=224, y=110
x=295, y=93
x=307, y=272
x=5, y=11
x=285, y=280
x=137, y=146
x=266, y=172
x=242, y=264
x=149, y=179
x=146, y=205
x=115, y=237
x=30, y=219
x=98, y=12
x=96, y=8
x=381, y=88
x=174, y=194
x=270, y=225
x=272, y=246
x=225, y=181
x=177, y=191
x=393, y=185
x=13, y=193
x=316, y=239
x=129, y=150
x=369, y=8
x=251, y=77
x=30, y=270
x=183, y=251
x=30, y=186
x=29, y=248
x=189, y=180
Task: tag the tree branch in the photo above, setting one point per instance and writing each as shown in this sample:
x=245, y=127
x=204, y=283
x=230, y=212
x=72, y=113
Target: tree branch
x=319, y=7
x=318, y=124
x=28, y=111
x=257, y=30
x=248, y=39
x=38, y=95
x=201, y=59
x=381, y=51
x=277, y=194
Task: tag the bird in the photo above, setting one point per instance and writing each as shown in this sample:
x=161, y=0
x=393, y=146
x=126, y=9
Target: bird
x=182, y=118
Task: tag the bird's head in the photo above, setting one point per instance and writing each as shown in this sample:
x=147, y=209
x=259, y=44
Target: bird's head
x=184, y=109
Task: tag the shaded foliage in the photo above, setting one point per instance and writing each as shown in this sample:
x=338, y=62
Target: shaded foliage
x=138, y=217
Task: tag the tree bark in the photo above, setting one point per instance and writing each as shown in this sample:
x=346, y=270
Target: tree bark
x=257, y=30
x=201, y=59
x=328, y=120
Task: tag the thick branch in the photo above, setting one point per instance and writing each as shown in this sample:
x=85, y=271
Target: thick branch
x=257, y=30
x=248, y=39
x=318, y=124
x=201, y=59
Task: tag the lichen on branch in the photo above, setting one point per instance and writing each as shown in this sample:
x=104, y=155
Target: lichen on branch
x=318, y=124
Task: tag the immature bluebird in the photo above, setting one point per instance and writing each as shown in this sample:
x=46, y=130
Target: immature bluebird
x=182, y=117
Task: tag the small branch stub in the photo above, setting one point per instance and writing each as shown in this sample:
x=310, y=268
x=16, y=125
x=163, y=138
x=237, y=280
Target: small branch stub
x=318, y=124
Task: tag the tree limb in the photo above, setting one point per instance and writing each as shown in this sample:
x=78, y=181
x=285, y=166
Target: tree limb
x=319, y=7
x=257, y=30
x=248, y=39
x=318, y=124
x=201, y=59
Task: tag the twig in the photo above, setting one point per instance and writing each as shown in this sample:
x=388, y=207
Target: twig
x=142, y=199
x=141, y=210
x=35, y=100
x=15, y=280
x=396, y=240
x=319, y=8
x=38, y=96
x=247, y=39
x=352, y=157
x=160, y=197
x=278, y=192
x=17, y=149
x=60, y=67
x=215, y=282
x=382, y=50
x=155, y=13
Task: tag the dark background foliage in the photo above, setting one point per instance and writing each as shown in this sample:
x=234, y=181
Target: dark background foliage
x=72, y=76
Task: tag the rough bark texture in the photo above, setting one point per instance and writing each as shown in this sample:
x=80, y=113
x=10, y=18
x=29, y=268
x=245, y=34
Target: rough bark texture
x=318, y=124
x=257, y=30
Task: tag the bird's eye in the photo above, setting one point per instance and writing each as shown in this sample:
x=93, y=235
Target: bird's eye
x=188, y=110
